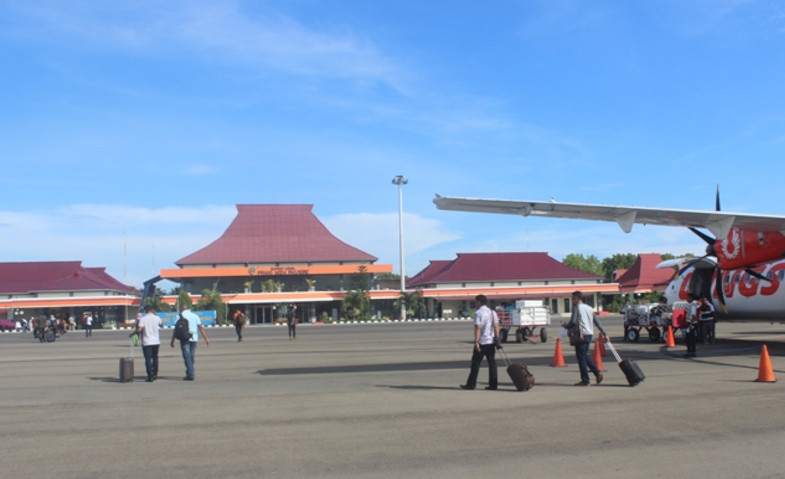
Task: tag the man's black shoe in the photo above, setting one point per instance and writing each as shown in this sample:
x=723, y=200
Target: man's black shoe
x=489, y=388
x=466, y=386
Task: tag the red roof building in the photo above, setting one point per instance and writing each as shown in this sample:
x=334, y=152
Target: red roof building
x=62, y=289
x=644, y=276
x=504, y=278
x=517, y=268
x=283, y=247
x=275, y=234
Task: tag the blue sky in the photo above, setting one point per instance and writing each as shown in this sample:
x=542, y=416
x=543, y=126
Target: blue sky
x=129, y=130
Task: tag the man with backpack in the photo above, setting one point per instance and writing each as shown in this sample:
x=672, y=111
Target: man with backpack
x=188, y=338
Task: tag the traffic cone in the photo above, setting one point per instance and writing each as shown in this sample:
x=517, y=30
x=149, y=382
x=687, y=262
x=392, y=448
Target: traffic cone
x=765, y=371
x=601, y=344
x=598, y=357
x=669, y=339
x=558, y=356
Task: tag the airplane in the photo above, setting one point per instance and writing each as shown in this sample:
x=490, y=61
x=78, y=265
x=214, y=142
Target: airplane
x=746, y=296
x=742, y=270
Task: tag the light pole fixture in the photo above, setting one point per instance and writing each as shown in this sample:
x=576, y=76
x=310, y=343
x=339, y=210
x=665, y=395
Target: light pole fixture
x=400, y=181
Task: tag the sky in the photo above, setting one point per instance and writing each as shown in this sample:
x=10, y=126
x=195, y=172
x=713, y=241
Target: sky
x=130, y=130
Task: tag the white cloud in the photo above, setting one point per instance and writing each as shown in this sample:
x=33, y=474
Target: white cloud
x=133, y=243
x=377, y=234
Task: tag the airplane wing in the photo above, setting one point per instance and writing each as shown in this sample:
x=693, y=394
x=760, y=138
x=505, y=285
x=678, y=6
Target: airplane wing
x=718, y=222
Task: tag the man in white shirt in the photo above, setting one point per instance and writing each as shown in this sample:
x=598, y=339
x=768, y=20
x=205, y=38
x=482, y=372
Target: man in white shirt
x=149, y=326
x=486, y=332
x=583, y=314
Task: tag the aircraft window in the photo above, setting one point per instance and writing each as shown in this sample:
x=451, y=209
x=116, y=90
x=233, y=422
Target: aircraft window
x=781, y=274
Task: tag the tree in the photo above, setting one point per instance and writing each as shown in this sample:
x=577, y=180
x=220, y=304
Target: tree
x=590, y=264
x=157, y=301
x=183, y=298
x=356, y=304
x=414, y=302
x=617, y=261
x=211, y=300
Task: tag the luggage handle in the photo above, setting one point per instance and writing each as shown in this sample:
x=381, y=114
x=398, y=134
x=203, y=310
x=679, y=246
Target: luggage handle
x=507, y=361
x=607, y=340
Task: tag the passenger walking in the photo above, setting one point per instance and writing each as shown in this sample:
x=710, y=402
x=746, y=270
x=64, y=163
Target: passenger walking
x=239, y=324
x=148, y=328
x=583, y=317
x=188, y=346
x=486, y=336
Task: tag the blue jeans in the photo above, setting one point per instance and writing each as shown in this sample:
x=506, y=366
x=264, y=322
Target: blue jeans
x=189, y=354
x=151, y=360
x=585, y=362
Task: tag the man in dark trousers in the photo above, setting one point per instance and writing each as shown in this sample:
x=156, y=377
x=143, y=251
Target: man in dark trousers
x=583, y=316
x=486, y=332
x=691, y=332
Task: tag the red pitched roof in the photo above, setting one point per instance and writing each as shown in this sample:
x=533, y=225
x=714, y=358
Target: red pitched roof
x=19, y=278
x=644, y=277
x=276, y=234
x=486, y=267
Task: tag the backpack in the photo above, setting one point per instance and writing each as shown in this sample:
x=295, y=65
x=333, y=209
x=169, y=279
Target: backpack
x=181, y=329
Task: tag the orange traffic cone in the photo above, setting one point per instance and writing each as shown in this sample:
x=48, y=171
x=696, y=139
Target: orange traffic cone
x=558, y=356
x=765, y=372
x=669, y=339
x=598, y=357
x=601, y=344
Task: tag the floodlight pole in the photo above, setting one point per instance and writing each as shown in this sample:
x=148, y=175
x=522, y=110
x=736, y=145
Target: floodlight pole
x=400, y=181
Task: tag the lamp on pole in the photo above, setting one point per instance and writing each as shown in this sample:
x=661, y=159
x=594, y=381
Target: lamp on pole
x=400, y=181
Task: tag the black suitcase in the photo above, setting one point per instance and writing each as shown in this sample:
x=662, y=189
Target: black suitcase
x=519, y=373
x=632, y=371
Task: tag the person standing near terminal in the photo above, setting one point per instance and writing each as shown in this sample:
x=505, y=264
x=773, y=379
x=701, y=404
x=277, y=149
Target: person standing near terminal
x=291, y=322
x=706, y=319
x=583, y=316
x=87, y=321
x=188, y=346
x=148, y=327
x=486, y=334
x=690, y=332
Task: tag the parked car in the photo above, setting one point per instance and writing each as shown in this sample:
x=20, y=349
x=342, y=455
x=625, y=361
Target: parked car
x=7, y=325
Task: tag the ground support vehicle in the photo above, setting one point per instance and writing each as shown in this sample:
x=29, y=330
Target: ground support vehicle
x=654, y=318
x=524, y=319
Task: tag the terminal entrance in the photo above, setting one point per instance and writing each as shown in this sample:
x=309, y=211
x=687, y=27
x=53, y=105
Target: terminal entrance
x=263, y=314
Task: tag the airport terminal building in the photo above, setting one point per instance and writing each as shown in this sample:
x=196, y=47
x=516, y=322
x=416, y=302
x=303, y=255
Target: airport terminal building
x=275, y=255
x=64, y=289
x=450, y=286
x=272, y=256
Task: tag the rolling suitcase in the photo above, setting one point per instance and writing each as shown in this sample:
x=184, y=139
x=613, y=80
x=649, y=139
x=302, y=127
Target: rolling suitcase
x=127, y=367
x=632, y=371
x=519, y=373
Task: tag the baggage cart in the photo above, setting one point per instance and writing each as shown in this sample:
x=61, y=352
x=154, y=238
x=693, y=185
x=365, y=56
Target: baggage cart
x=523, y=321
x=653, y=318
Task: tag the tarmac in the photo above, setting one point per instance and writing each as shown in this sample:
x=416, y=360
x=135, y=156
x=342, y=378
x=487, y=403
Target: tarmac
x=382, y=401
